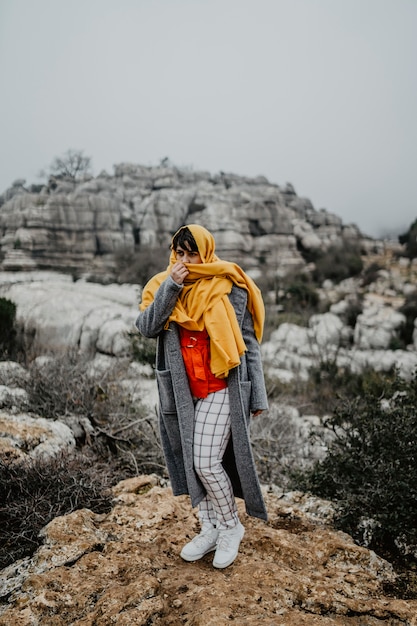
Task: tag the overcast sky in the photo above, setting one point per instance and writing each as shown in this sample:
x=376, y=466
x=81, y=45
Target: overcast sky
x=319, y=93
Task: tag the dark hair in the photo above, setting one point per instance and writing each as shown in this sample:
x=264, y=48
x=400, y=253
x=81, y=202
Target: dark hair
x=185, y=239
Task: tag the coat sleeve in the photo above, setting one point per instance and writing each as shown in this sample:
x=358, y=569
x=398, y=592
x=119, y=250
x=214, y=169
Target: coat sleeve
x=152, y=320
x=259, y=398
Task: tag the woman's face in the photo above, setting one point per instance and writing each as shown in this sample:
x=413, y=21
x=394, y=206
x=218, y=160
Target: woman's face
x=187, y=256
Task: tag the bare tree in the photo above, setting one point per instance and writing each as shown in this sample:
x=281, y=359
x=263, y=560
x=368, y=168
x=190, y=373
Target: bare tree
x=72, y=164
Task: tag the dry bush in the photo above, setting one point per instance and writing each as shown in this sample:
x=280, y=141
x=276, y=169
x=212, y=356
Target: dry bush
x=61, y=386
x=32, y=494
x=121, y=431
x=273, y=438
x=137, y=267
x=116, y=438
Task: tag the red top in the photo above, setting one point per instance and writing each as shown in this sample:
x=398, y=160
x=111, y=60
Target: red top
x=195, y=350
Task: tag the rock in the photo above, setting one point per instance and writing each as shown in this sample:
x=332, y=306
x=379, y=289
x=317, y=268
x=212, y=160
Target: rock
x=305, y=234
x=23, y=436
x=324, y=336
x=124, y=568
x=12, y=373
x=19, y=182
x=13, y=398
x=79, y=226
x=327, y=330
x=382, y=361
x=57, y=314
x=80, y=426
x=18, y=260
x=376, y=327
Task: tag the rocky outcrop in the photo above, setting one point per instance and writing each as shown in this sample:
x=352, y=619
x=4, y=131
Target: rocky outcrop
x=56, y=314
x=297, y=349
x=124, y=568
x=25, y=437
x=80, y=225
x=370, y=342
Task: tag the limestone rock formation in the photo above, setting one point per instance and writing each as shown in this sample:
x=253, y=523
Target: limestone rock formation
x=294, y=350
x=124, y=568
x=79, y=226
x=25, y=437
x=56, y=314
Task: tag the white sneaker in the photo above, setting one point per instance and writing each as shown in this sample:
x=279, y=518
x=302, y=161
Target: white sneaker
x=201, y=544
x=228, y=546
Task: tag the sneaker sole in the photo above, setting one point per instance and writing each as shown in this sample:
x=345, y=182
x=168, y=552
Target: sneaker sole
x=191, y=559
x=224, y=565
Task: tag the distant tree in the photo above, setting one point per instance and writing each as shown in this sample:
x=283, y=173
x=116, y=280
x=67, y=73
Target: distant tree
x=72, y=164
x=410, y=240
x=165, y=162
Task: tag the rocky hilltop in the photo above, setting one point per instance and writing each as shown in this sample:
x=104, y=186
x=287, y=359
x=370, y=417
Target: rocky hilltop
x=124, y=568
x=79, y=225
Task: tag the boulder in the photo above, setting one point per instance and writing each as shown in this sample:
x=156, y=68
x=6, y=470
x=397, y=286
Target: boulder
x=25, y=437
x=13, y=398
x=56, y=314
x=377, y=326
x=12, y=373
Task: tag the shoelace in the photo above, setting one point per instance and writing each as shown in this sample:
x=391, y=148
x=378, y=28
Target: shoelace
x=224, y=542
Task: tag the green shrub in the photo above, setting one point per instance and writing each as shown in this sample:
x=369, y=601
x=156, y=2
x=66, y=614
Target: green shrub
x=354, y=308
x=328, y=384
x=370, y=274
x=297, y=294
x=338, y=263
x=410, y=240
x=7, y=328
x=370, y=470
x=301, y=294
x=409, y=309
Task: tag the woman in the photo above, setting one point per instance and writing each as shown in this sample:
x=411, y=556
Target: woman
x=208, y=317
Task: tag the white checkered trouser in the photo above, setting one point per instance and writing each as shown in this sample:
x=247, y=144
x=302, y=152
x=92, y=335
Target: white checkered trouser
x=211, y=436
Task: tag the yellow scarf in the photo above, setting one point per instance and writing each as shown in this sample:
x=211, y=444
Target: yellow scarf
x=203, y=302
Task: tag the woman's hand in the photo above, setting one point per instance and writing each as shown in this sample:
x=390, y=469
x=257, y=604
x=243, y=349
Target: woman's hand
x=256, y=413
x=179, y=272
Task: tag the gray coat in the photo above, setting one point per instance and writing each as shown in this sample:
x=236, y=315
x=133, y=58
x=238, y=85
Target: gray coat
x=176, y=411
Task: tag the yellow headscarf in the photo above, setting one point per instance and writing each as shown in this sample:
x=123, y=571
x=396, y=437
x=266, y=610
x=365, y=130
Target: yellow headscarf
x=203, y=302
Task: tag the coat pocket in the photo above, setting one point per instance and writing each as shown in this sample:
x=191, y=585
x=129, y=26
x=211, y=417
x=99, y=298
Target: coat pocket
x=245, y=392
x=166, y=391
